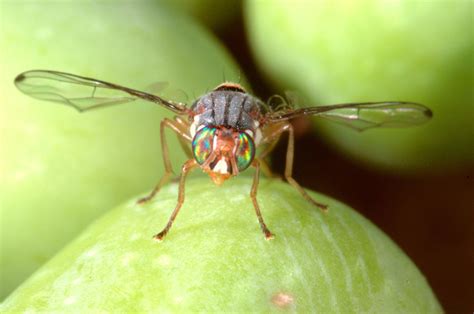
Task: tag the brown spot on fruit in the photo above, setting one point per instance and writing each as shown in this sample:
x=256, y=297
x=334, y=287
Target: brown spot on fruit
x=282, y=300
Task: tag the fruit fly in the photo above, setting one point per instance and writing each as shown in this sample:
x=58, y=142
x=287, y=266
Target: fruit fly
x=223, y=127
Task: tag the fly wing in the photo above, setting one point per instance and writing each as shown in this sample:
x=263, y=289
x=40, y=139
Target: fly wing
x=363, y=116
x=84, y=93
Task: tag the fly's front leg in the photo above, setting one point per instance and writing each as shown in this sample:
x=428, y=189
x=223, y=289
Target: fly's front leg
x=253, y=196
x=180, y=130
x=184, y=140
x=187, y=167
x=267, y=171
x=271, y=136
x=271, y=143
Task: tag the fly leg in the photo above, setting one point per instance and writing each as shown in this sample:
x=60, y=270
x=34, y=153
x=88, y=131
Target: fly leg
x=187, y=167
x=289, y=169
x=180, y=128
x=186, y=139
x=253, y=196
x=262, y=158
x=272, y=135
x=267, y=171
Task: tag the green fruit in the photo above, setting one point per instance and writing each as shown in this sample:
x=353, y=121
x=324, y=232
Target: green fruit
x=215, y=14
x=343, y=51
x=60, y=169
x=215, y=259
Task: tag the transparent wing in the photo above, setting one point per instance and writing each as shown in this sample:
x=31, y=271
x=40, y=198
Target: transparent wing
x=84, y=93
x=362, y=116
x=166, y=91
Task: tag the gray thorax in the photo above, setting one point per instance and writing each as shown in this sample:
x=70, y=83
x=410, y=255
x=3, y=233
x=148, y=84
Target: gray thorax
x=234, y=109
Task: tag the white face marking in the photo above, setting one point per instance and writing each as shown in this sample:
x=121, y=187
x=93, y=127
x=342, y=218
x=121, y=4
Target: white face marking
x=221, y=166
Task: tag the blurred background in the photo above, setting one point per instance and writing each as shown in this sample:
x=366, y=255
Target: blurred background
x=415, y=184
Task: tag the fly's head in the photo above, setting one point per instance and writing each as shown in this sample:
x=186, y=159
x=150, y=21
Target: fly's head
x=223, y=152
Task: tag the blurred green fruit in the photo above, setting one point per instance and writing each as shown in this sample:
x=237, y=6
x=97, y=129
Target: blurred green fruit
x=60, y=169
x=345, y=51
x=215, y=259
x=215, y=14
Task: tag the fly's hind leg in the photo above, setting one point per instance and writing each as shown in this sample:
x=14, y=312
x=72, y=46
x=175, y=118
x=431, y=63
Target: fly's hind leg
x=180, y=128
x=272, y=135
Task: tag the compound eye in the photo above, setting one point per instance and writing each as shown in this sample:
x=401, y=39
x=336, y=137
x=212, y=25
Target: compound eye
x=245, y=151
x=202, y=144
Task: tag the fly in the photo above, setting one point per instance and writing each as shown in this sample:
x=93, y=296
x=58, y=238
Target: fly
x=223, y=128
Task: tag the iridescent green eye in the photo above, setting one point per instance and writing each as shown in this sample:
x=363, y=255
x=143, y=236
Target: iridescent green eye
x=202, y=144
x=245, y=151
